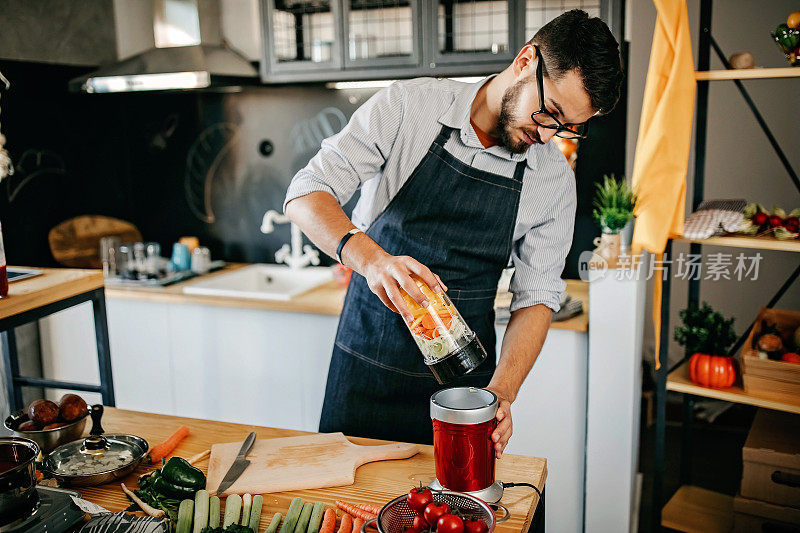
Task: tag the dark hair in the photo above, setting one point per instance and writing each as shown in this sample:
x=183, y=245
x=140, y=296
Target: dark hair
x=574, y=41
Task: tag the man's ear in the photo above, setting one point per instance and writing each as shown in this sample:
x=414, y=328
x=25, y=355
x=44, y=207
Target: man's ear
x=525, y=60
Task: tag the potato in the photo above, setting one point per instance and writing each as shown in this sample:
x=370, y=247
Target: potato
x=71, y=407
x=742, y=60
x=43, y=412
x=27, y=426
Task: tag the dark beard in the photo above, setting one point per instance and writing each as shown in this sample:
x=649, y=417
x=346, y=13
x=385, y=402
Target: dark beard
x=504, y=122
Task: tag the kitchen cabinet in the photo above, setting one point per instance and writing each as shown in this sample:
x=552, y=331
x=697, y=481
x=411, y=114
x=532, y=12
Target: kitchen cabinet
x=302, y=36
x=382, y=33
x=473, y=31
x=221, y=363
x=332, y=40
x=538, y=12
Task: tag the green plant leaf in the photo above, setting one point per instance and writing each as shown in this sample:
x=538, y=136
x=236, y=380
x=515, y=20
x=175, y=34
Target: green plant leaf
x=705, y=331
x=614, y=203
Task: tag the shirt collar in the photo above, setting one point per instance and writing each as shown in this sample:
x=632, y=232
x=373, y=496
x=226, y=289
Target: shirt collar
x=457, y=117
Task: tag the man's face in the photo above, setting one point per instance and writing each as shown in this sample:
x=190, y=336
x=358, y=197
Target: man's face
x=566, y=99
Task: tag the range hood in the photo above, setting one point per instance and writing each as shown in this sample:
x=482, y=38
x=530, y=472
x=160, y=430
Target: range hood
x=188, y=52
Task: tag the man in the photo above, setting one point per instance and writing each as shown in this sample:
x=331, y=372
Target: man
x=455, y=178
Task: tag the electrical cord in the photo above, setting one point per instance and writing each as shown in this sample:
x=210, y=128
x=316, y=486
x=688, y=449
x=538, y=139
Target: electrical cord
x=509, y=485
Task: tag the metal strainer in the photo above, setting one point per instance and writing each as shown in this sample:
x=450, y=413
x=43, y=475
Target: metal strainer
x=396, y=516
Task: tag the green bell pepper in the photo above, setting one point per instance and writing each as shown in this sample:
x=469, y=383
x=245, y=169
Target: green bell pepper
x=179, y=472
x=162, y=486
x=787, y=37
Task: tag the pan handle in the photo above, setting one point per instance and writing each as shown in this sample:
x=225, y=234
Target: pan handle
x=368, y=523
x=506, y=515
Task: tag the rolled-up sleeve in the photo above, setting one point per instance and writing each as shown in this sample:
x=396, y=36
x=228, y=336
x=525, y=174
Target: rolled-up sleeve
x=538, y=257
x=357, y=153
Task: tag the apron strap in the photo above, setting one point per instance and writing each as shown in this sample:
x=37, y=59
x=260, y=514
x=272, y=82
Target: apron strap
x=519, y=172
x=444, y=135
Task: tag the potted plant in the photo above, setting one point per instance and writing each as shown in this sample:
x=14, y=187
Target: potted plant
x=613, y=209
x=707, y=335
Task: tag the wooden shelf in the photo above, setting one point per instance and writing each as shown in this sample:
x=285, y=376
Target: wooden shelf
x=745, y=241
x=747, y=74
x=678, y=381
x=693, y=509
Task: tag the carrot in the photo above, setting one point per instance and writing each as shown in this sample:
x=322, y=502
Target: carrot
x=368, y=507
x=347, y=524
x=328, y=521
x=355, y=511
x=418, y=321
x=357, y=523
x=428, y=322
x=159, y=451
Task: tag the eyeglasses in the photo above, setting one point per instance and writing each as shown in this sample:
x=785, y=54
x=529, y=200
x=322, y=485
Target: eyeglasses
x=546, y=120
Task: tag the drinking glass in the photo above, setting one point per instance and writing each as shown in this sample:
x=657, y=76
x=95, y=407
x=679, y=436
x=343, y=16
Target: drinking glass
x=109, y=249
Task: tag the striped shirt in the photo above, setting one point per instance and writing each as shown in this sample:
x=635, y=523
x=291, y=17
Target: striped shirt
x=388, y=136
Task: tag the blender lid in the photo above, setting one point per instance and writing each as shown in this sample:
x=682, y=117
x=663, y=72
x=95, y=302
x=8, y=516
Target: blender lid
x=463, y=405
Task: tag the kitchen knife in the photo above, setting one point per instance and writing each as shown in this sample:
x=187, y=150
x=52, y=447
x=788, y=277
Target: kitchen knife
x=239, y=464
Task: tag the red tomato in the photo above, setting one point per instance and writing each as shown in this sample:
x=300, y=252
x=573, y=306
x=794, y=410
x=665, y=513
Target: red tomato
x=475, y=526
x=791, y=357
x=420, y=524
x=450, y=523
x=418, y=498
x=434, y=511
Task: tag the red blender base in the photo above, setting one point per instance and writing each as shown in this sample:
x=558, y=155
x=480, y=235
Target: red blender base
x=491, y=494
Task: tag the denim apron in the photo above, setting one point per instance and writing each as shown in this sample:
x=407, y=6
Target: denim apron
x=459, y=222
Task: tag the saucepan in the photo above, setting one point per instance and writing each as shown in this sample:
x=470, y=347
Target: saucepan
x=18, y=495
x=97, y=459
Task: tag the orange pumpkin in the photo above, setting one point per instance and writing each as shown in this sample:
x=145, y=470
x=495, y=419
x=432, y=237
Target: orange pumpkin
x=715, y=371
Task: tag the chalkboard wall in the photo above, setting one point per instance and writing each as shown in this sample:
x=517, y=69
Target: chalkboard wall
x=204, y=164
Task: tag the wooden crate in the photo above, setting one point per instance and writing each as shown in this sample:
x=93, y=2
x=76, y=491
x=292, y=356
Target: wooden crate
x=767, y=375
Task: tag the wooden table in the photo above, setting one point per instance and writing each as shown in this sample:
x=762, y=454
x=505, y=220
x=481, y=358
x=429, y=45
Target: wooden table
x=54, y=290
x=375, y=483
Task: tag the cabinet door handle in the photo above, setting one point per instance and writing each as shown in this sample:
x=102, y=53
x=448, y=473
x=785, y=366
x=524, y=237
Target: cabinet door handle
x=785, y=478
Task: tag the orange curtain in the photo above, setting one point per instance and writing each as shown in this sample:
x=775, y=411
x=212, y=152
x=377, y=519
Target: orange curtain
x=662, y=149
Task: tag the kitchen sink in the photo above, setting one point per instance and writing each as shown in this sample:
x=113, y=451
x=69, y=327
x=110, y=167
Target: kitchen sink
x=264, y=282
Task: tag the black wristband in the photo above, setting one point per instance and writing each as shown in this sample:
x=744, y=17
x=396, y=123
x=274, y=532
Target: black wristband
x=344, y=241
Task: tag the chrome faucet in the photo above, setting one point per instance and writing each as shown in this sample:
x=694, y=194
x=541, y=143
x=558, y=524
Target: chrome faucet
x=290, y=254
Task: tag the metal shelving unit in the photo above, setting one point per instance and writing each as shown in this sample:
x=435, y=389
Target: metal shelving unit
x=685, y=510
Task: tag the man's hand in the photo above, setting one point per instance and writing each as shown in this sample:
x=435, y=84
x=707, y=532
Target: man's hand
x=505, y=426
x=388, y=274
x=321, y=218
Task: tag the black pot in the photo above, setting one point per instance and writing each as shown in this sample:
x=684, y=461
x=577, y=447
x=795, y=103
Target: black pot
x=18, y=496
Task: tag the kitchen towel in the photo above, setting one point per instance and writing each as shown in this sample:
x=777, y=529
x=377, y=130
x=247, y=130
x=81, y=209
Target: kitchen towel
x=662, y=149
x=714, y=217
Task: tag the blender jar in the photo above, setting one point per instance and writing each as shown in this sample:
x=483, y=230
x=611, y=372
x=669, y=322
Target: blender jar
x=450, y=348
x=463, y=421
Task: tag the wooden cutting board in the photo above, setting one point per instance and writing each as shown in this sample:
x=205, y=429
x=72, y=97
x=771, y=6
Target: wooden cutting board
x=295, y=463
x=75, y=242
